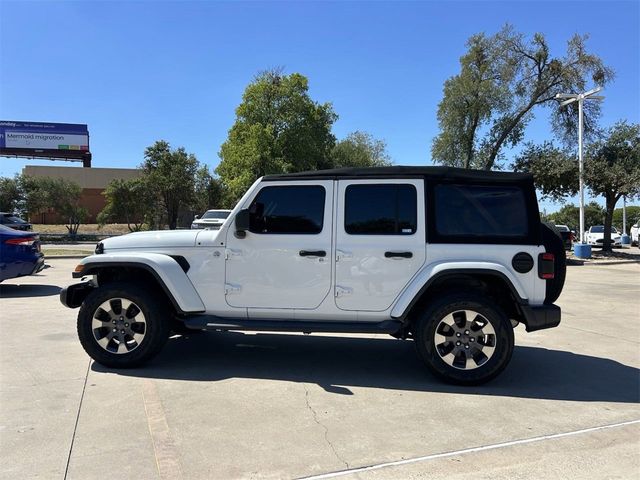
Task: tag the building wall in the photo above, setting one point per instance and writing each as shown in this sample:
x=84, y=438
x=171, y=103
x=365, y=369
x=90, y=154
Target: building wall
x=93, y=182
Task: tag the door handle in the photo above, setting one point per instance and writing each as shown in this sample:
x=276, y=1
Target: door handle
x=398, y=254
x=313, y=253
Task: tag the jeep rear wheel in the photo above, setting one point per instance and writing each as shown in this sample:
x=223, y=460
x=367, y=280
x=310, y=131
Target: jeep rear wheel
x=123, y=325
x=464, y=339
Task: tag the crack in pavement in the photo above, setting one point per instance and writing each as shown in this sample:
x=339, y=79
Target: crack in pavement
x=326, y=430
x=75, y=426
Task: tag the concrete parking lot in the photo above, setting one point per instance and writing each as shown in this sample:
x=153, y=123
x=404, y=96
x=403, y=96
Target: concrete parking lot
x=242, y=405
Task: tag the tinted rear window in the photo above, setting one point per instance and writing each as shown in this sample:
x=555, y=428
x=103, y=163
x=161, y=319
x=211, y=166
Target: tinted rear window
x=480, y=210
x=381, y=209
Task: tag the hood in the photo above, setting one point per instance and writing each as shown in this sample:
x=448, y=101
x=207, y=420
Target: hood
x=601, y=235
x=209, y=220
x=155, y=239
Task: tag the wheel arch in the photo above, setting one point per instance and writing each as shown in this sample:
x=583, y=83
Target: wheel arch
x=162, y=271
x=487, y=281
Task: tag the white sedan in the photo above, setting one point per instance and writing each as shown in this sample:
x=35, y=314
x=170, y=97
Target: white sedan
x=634, y=234
x=595, y=236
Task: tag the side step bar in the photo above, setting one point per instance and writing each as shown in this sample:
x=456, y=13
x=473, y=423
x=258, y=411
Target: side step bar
x=211, y=322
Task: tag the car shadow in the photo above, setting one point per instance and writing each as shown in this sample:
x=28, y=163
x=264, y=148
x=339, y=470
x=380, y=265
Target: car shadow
x=28, y=290
x=337, y=363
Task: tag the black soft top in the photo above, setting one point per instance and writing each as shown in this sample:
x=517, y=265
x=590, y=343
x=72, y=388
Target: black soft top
x=435, y=173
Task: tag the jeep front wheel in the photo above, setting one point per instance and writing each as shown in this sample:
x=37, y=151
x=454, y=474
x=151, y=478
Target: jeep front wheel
x=122, y=326
x=464, y=339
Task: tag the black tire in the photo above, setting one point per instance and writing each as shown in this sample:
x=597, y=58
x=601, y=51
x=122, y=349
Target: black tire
x=475, y=372
x=155, y=332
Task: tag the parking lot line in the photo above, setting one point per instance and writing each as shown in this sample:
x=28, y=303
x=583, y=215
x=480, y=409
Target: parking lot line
x=167, y=460
x=494, y=446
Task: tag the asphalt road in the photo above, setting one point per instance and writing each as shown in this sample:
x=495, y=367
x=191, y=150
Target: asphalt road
x=241, y=405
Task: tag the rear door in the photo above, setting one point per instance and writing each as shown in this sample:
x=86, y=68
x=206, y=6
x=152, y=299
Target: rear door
x=380, y=241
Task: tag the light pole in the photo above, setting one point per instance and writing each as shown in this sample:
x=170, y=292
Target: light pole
x=580, y=98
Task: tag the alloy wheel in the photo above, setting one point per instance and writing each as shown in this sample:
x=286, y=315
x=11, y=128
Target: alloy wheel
x=118, y=325
x=465, y=339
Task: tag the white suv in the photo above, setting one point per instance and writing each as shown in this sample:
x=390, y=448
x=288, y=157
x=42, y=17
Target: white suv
x=211, y=219
x=450, y=258
x=634, y=234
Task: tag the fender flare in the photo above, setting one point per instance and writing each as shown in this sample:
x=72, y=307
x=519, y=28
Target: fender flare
x=166, y=270
x=421, y=282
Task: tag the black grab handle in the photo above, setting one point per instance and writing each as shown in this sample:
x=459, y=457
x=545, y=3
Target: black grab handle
x=313, y=253
x=398, y=254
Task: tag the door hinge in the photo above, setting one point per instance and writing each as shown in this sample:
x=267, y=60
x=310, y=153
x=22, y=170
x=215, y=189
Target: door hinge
x=342, y=291
x=230, y=288
x=342, y=255
x=230, y=252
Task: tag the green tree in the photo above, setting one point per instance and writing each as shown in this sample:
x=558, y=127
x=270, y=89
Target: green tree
x=172, y=175
x=278, y=129
x=64, y=197
x=129, y=201
x=503, y=78
x=36, y=194
x=633, y=216
x=42, y=193
x=10, y=194
x=360, y=149
x=209, y=191
x=612, y=169
x=569, y=215
x=555, y=170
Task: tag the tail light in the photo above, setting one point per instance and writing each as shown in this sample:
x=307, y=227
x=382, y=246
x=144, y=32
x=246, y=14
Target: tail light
x=572, y=237
x=23, y=241
x=546, y=266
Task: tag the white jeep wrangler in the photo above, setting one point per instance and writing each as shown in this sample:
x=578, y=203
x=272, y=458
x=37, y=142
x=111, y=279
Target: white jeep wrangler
x=453, y=259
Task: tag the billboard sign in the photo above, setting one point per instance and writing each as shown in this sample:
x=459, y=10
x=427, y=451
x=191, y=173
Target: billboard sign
x=44, y=140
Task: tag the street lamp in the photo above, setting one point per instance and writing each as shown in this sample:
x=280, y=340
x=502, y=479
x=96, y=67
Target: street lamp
x=580, y=98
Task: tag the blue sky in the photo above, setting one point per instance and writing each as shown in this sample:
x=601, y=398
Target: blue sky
x=136, y=72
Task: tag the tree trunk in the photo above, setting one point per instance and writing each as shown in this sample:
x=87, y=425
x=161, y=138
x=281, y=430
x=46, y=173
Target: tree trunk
x=172, y=216
x=495, y=149
x=608, y=220
x=470, y=143
x=173, y=221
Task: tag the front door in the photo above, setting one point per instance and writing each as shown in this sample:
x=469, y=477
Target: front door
x=380, y=241
x=284, y=261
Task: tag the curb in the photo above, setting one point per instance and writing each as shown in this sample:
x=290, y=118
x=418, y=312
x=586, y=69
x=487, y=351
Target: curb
x=574, y=262
x=614, y=262
x=64, y=257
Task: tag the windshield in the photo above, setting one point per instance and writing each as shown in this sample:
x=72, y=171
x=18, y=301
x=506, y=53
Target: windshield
x=600, y=229
x=8, y=219
x=216, y=214
x=562, y=228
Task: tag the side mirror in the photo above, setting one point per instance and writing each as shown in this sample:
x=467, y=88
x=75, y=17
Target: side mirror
x=195, y=217
x=242, y=222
